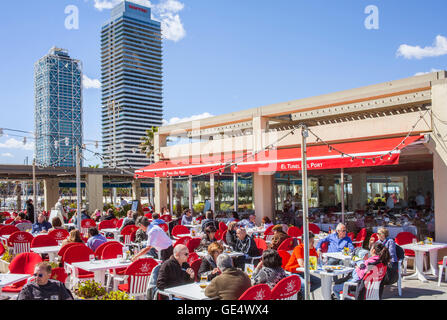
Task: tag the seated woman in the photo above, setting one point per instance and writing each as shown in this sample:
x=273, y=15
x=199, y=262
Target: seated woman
x=208, y=237
x=297, y=261
x=267, y=222
x=75, y=236
x=56, y=224
x=378, y=254
x=231, y=237
x=278, y=237
x=269, y=270
x=209, y=261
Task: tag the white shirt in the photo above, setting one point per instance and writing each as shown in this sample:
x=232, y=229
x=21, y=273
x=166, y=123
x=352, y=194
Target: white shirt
x=420, y=200
x=157, y=238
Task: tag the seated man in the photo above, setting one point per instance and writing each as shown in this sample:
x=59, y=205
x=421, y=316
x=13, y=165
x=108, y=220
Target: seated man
x=175, y=271
x=95, y=238
x=209, y=221
x=231, y=284
x=41, y=226
x=156, y=220
x=250, y=223
x=44, y=288
x=157, y=240
x=247, y=246
x=130, y=219
x=337, y=241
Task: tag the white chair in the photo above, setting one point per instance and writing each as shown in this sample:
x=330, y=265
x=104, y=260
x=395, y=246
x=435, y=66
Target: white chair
x=441, y=269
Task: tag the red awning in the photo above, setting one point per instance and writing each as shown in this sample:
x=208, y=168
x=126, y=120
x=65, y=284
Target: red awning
x=186, y=167
x=383, y=151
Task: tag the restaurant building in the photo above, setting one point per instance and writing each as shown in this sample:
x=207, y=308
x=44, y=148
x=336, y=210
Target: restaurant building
x=364, y=142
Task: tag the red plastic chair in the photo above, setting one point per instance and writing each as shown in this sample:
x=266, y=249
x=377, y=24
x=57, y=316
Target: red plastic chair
x=182, y=240
x=127, y=233
x=375, y=236
x=138, y=275
x=119, y=223
x=287, y=244
x=360, y=238
x=6, y=230
x=166, y=217
x=218, y=235
x=324, y=247
x=62, y=250
x=285, y=256
x=78, y=254
x=43, y=240
x=193, y=244
x=224, y=236
x=371, y=280
x=107, y=224
x=148, y=215
x=405, y=238
x=287, y=288
x=2, y=250
x=179, y=229
x=5, y=214
x=261, y=244
x=268, y=234
x=20, y=241
x=99, y=250
x=23, y=263
x=111, y=251
x=86, y=224
x=59, y=274
x=59, y=234
x=257, y=292
x=10, y=220
x=165, y=227
x=192, y=256
x=351, y=235
x=195, y=265
x=314, y=228
x=294, y=232
x=222, y=226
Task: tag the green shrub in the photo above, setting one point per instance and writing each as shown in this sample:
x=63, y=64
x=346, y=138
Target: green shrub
x=115, y=295
x=89, y=289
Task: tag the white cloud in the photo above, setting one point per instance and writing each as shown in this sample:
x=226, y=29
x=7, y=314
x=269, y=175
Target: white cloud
x=439, y=48
x=16, y=144
x=422, y=73
x=90, y=83
x=7, y=155
x=166, y=11
x=176, y=120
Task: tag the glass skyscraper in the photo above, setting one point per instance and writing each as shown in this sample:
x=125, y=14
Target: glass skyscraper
x=131, y=83
x=58, y=108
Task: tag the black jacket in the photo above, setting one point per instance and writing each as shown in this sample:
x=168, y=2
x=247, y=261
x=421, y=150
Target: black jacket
x=231, y=239
x=247, y=246
x=171, y=274
x=30, y=212
x=208, y=264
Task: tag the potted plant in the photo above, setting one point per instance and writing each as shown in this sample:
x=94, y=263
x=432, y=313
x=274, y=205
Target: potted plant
x=89, y=290
x=115, y=295
x=5, y=261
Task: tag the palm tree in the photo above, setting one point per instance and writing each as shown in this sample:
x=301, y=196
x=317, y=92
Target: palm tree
x=147, y=144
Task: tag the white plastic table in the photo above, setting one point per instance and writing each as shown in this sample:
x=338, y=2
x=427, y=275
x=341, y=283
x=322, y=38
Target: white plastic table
x=99, y=267
x=327, y=278
x=339, y=256
x=7, y=279
x=115, y=231
x=191, y=291
x=232, y=254
x=51, y=251
x=258, y=230
x=419, y=250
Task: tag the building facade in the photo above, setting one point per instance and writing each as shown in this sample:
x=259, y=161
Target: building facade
x=131, y=83
x=58, y=108
x=378, y=139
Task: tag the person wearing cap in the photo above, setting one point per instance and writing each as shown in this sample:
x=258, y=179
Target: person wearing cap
x=278, y=237
x=297, y=261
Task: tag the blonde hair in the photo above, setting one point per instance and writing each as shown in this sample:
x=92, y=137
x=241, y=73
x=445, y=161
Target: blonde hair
x=384, y=231
x=231, y=225
x=215, y=247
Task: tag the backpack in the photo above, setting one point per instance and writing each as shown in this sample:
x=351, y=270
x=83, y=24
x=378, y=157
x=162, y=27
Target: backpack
x=400, y=253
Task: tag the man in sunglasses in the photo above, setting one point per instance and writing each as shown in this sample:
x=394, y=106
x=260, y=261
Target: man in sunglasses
x=336, y=242
x=41, y=287
x=175, y=271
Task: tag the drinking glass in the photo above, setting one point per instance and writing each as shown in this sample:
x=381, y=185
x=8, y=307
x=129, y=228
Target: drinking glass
x=203, y=280
x=414, y=241
x=92, y=258
x=119, y=257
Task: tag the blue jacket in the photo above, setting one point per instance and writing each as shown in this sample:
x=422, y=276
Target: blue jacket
x=336, y=244
x=38, y=227
x=155, y=222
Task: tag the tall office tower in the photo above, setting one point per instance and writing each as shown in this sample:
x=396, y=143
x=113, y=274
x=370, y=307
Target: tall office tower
x=131, y=83
x=58, y=108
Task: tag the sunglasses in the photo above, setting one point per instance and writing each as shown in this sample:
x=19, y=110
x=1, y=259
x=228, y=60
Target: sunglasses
x=186, y=254
x=40, y=275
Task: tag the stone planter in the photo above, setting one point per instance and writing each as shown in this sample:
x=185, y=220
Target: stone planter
x=4, y=266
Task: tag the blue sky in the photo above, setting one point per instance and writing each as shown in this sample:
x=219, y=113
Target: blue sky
x=225, y=55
